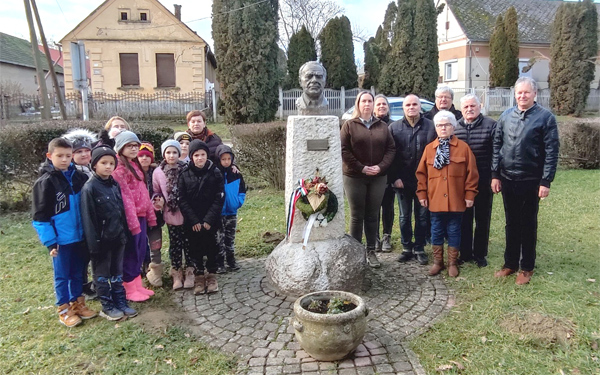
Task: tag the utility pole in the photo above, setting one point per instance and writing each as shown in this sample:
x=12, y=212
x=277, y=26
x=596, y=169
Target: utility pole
x=61, y=103
x=38, y=63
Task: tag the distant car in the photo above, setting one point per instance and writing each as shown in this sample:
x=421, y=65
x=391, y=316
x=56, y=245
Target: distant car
x=396, y=111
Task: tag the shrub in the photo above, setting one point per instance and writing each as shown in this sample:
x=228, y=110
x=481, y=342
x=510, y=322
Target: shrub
x=579, y=144
x=23, y=148
x=260, y=152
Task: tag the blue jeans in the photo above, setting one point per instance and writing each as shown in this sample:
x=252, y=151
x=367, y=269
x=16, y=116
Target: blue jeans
x=68, y=272
x=407, y=199
x=446, y=225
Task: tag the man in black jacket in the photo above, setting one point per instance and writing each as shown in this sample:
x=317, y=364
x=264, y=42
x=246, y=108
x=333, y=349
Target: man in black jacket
x=443, y=101
x=411, y=135
x=523, y=166
x=477, y=131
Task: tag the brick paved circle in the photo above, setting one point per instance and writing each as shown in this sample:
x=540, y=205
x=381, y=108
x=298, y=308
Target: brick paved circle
x=247, y=318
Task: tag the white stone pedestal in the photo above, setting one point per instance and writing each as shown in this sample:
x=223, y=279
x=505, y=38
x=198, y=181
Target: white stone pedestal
x=332, y=260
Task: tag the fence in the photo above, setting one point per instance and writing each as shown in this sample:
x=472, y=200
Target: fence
x=101, y=105
x=338, y=101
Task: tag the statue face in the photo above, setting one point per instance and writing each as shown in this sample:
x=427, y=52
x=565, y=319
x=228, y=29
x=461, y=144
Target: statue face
x=312, y=80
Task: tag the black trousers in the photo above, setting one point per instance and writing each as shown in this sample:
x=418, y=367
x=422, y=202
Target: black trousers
x=203, y=244
x=475, y=245
x=387, y=211
x=521, y=206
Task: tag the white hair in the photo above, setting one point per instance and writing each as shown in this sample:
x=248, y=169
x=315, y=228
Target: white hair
x=470, y=97
x=443, y=90
x=445, y=115
x=528, y=80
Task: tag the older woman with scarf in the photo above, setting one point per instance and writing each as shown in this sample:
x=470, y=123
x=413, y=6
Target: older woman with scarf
x=447, y=180
x=197, y=129
x=367, y=152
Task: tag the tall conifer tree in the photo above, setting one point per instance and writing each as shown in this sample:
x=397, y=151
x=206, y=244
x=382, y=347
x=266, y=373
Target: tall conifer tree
x=425, y=57
x=337, y=53
x=372, y=66
x=511, y=28
x=300, y=50
x=498, y=54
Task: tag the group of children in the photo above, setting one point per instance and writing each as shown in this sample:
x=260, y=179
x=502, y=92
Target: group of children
x=105, y=201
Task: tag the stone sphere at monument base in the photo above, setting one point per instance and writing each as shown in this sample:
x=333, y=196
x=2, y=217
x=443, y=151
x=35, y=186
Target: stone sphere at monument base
x=334, y=264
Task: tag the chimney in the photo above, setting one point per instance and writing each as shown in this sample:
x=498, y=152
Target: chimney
x=177, y=11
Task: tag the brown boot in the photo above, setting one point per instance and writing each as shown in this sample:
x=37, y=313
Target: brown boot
x=67, y=316
x=200, y=283
x=438, y=260
x=79, y=308
x=452, y=261
x=211, y=283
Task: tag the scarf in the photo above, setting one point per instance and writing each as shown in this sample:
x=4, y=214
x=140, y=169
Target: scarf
x=172, y=175
x=203, y=135
x=442, y=154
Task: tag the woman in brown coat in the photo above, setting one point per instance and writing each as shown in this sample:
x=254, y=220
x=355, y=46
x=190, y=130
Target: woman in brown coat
x=367, y=152
x=447, y=180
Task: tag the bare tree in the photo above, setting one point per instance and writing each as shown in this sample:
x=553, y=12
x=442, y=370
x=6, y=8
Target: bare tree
x=313, y=14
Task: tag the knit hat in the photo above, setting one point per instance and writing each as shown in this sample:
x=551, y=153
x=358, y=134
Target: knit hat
x=147, y=149
x=100, y=151
x=125, y=137
x=196, y=145
x=80, y=138
x=182, y=136
x=170, y=143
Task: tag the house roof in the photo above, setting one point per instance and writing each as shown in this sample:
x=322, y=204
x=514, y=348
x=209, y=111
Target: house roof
x=535, y=17
x=17, y=51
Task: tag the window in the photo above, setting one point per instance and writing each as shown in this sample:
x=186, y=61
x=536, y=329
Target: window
x=143, y=16
x=451, y=70
x=165, y=70
x=130, y=71
x=523, y=63
x=123, y=16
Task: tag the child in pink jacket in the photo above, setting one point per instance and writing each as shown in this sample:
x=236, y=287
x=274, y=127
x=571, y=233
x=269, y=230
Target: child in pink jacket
x=138, y=211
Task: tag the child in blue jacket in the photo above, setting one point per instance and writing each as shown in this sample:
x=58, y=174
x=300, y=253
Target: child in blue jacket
x=235, y=195
x=57, y=220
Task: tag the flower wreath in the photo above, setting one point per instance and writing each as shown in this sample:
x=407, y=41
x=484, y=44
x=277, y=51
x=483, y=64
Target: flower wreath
x=315, y=201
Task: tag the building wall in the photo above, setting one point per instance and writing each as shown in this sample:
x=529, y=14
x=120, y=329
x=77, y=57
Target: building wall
x=26, y=77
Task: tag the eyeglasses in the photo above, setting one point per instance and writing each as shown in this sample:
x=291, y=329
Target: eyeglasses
x=133, y=146
x=443, y=125
x=443, y=97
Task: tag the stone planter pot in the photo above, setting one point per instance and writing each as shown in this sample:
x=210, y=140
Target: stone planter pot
x=329, y=337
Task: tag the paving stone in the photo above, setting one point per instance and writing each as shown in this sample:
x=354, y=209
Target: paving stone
x=346, y=363
x=384, y=368
x=273, y=361
x=260, y=352
x=311, y=366
x=291, y=369
x=362, y=361
x=379, y=359
x=272, y=370
x=347, y=371
x=325, y=366
x=276, y=345
x=257, y=362
x=230, y=347
x=402, y=366
x=365, y=370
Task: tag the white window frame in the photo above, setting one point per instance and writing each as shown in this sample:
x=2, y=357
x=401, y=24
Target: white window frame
x=453, y=66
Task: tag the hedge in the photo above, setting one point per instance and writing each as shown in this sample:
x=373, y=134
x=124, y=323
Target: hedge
x=580, y=143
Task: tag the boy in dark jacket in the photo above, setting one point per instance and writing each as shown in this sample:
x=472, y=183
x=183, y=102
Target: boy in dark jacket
x=201, y=201
x=235, y=194
x=105, y=226
x=57, y=220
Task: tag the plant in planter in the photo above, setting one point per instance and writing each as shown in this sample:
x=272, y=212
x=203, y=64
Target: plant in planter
x=329, y=325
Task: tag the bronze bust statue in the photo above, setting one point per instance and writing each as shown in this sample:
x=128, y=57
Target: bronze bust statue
x=312, y=76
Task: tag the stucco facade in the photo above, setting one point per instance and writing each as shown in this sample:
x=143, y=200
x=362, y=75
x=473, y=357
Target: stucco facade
x=120, y=36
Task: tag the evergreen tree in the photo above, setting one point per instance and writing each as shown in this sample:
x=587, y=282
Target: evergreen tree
x=425, y=57
x=498, y=54
x=573, y=49
x=300, y=50
x=511, y=28
x=337, y=53
x=372, y=67
x=246, y=51
x=397, y=76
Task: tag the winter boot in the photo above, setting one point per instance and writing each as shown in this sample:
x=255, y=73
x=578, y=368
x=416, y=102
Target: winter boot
x=132, y=292
x=118, y=297
x=438, y=260
x=82, y=310
x=452, y=261
x=109, y=310
x=200, y=283
x=140, y=287
x=177, y=276
x=154, y=275
x=231, y=263
x=386, y=243
x=67, y=316
x=189, y=278
x=211, y=283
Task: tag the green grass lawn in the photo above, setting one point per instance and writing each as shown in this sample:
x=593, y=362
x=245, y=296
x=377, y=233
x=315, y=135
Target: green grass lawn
x=32, y=340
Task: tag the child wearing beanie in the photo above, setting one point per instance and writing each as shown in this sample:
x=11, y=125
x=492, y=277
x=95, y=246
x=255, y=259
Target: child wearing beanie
x=184, y=140
x=138, y=211
x=104, y=225
x=201, y=198
x=165, y=181
x=152, y=267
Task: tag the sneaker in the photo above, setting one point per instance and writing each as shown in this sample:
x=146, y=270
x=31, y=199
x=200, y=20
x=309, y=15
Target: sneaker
x=378, y=244
x=112, y=313
x=89, y=292
x=422, y=258
x=67, y=316
x=481, y=262
x=405, y=256
x=233, y=266
x=386, y=243
x=221, y=270
x=128, y=311
x=79, y=308
x=372, y=259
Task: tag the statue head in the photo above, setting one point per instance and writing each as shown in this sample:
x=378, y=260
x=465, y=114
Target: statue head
x=312, y=76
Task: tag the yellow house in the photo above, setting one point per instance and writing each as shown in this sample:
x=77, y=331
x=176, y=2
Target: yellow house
x=140, y=46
